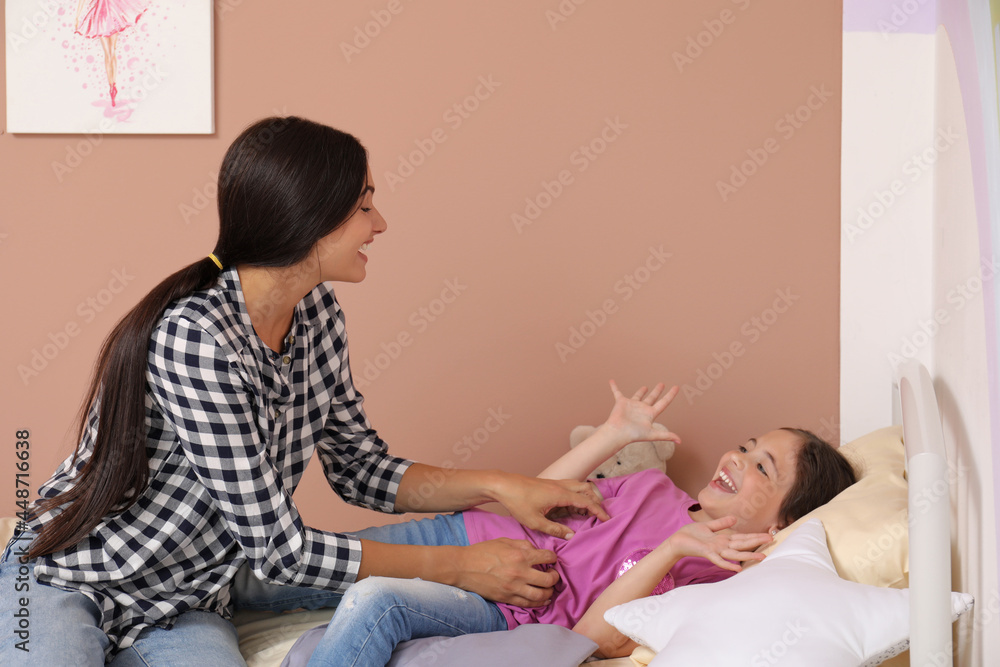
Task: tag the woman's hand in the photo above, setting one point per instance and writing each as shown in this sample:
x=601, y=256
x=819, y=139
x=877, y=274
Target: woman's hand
x=532, y=501
x=503, y=570
x=710, y=540
x=633, y=418
x=563, y=512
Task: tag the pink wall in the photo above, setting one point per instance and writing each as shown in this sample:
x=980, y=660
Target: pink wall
x=664, y=133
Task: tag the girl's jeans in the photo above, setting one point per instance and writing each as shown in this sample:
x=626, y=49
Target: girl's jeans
x=377, y=613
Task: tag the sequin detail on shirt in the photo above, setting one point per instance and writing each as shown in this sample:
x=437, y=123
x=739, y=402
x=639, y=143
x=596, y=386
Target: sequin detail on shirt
x=666, y=584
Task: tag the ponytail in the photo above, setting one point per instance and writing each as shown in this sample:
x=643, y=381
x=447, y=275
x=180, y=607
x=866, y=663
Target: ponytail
x=118, y=469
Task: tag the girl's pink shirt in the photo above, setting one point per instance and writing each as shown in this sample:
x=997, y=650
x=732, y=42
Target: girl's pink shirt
x=645, y=509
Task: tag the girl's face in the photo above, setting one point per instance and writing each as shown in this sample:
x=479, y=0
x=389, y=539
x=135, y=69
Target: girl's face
x=752, y=481
x=340, y=252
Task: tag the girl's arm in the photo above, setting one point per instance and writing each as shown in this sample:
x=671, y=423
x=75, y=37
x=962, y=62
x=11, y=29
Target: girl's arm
x=631, y=420
x=637, y=582
x=707, y=540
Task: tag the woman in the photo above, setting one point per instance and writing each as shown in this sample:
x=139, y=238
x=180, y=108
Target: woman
x=208, y=400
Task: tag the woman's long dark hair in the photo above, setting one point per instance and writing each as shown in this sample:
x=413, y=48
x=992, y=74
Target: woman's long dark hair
x=285, y=183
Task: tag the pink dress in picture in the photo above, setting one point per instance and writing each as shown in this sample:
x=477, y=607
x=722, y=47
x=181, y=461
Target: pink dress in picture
x=103, y=18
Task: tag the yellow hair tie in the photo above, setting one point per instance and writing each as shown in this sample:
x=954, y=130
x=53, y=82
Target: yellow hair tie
x=215, y=259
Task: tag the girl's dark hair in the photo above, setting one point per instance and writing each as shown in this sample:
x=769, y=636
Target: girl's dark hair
x=285, y=183
x=821, y=472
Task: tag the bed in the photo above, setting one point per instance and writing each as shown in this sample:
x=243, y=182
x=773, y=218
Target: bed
x=883, y=536
x=868, y=571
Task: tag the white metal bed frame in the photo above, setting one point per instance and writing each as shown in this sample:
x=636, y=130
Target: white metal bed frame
x=915, y=407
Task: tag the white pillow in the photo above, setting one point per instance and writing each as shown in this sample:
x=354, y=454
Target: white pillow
x=791, y=608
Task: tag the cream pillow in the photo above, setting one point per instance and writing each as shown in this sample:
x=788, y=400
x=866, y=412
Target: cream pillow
x=866, y=524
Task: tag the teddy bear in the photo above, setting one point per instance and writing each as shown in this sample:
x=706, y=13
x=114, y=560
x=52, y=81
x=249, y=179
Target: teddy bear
x=632, y=458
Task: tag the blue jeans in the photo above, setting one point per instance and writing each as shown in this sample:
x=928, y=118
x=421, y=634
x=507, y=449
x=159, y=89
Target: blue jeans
x=64, y=627
x=378, y=613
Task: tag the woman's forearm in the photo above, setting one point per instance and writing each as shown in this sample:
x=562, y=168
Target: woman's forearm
x=529, y=500
x=426, y=488
x=406, y=561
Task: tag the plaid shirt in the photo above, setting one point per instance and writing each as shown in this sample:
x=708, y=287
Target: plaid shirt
x=230, y=426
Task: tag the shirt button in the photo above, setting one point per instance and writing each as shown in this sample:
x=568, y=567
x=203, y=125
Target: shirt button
x=277, y=413
x=291, y=340
x=286, y=359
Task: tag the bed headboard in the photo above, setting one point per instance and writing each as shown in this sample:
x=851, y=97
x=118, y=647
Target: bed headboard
x=915, y=406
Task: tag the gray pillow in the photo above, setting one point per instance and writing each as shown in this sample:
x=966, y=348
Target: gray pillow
x=550, y=645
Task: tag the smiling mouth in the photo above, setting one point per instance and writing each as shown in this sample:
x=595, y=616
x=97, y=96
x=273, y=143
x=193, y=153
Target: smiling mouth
x=364, y=247
x=726, y=482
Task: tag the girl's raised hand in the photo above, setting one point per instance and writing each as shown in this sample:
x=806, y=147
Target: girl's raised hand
x=707, y=539
x=634, y=417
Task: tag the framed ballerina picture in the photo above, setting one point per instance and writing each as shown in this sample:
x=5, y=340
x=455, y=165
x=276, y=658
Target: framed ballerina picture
x=109, y=66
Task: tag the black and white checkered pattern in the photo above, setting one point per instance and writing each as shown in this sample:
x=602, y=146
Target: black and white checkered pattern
x=231, y=426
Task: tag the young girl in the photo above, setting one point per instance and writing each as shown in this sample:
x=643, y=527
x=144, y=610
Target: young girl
x=208, y=400
x=657, y=538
